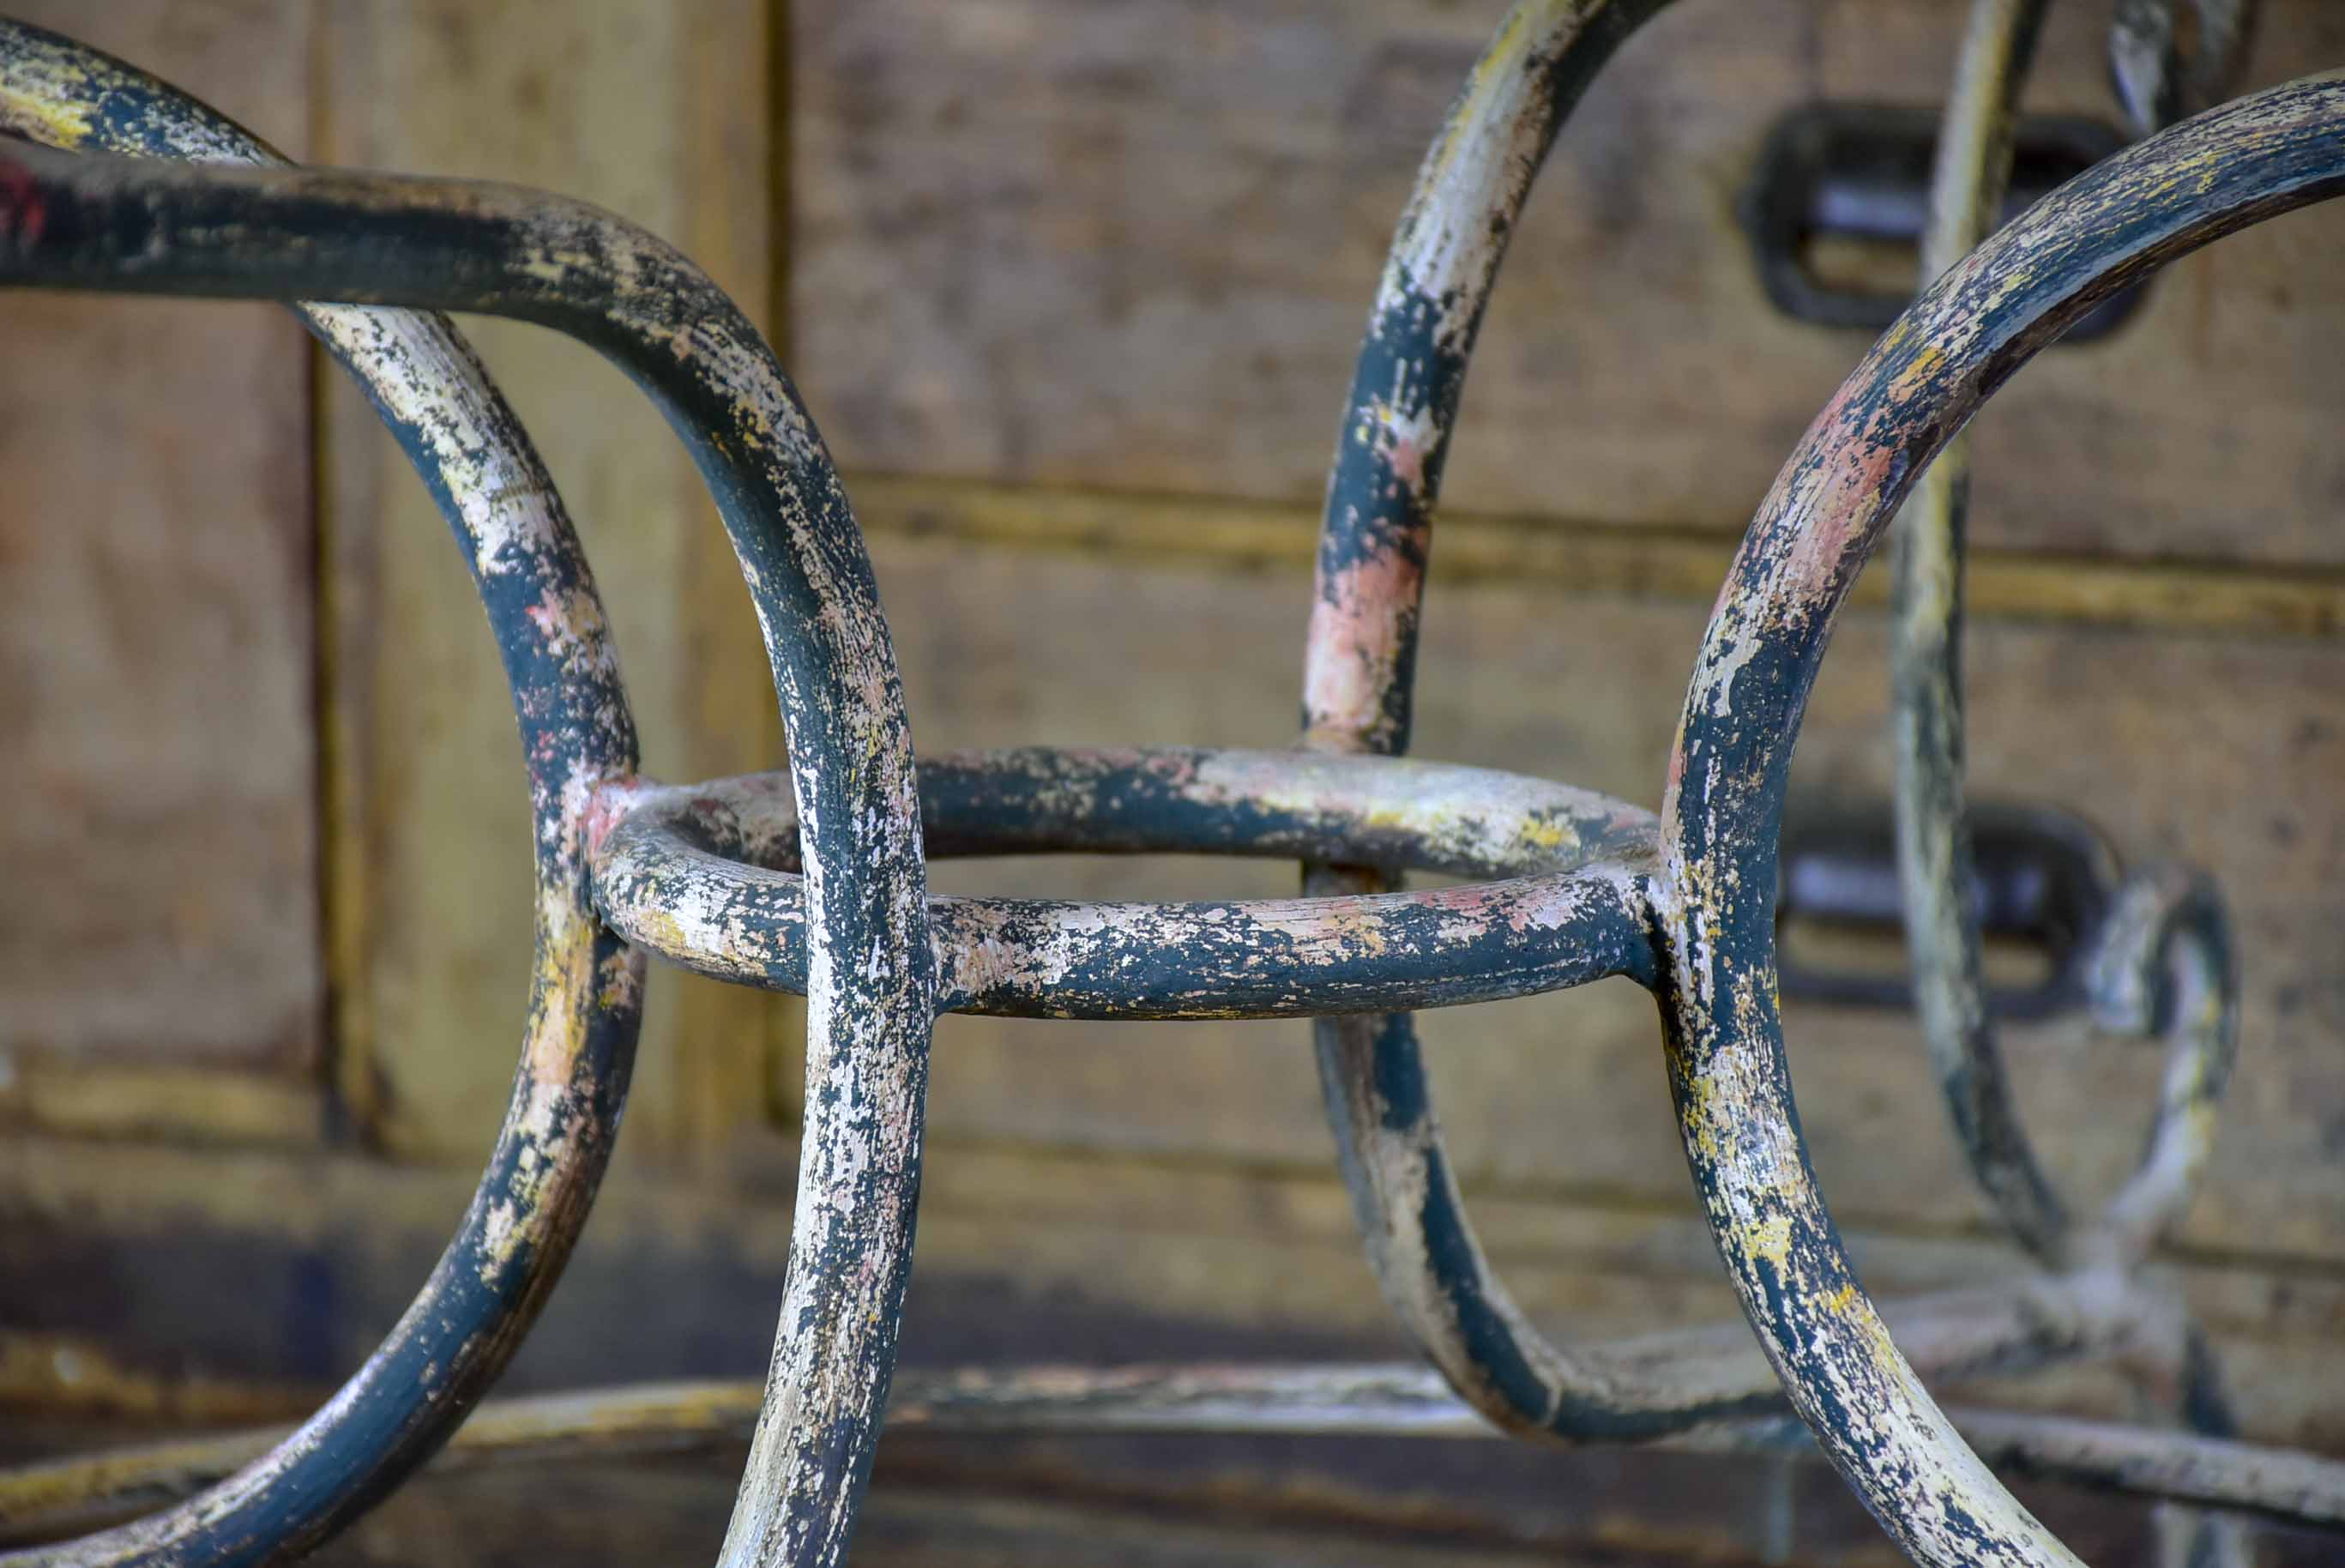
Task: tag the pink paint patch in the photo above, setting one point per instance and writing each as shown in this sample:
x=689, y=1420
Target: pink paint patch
x=1820, y=519
x=1175, y=769
x=546, y=616
x=607, y=807
x=1467, y=898
x=1836, y=516
x=1472, y=909
x=1357, y=624
x=22, y=213
x=1407, y=463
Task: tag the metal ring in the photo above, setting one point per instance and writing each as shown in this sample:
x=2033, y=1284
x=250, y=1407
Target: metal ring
x=90, y=222
x=1964, y=337
x=1937, y=875
x=578, y=1046
x=705, y=877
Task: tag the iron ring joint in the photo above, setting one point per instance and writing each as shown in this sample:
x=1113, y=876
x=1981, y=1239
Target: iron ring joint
x=706, y=877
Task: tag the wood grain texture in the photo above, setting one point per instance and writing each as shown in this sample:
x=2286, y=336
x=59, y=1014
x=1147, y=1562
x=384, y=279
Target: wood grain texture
x=1024, y=1256
x=1156, y=1504
x=1062, y=1515
x=1233, y=533
x=1132, y=246
x=658, y=113
x=1159, y=1502
x=155, y=624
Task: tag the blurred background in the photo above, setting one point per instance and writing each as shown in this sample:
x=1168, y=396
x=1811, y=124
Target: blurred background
x=1073, y=288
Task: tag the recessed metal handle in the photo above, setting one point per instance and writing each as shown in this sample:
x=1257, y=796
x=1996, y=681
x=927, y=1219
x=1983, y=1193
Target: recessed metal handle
x=2044, y=880
x=1835, y=208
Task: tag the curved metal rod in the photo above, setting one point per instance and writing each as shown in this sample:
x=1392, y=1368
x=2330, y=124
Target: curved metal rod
x=2166, y=965
x=88, y=222
x=1964, y=337
x=1937, y=877
x=1406, y=383
x=578, y=1046
x=1954, y=1335
x=1936, y=874
x=1359, y=674
x=703, y=876
x=1360, y=669
x=2165, y=68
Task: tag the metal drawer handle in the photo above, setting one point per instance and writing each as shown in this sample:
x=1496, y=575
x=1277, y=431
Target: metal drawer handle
x=1861, y=173
x=2045, y=878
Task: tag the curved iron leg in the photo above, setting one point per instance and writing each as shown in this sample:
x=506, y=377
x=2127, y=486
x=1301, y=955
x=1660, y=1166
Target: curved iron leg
x=579, y=1045
x=1964, y=338
x=90, y=222
x=1358, y=682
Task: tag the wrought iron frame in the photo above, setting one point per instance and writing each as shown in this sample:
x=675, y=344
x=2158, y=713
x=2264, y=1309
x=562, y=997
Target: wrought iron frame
x=816, y=881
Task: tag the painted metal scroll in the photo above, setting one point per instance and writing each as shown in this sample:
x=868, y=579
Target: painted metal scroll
x=814, y=882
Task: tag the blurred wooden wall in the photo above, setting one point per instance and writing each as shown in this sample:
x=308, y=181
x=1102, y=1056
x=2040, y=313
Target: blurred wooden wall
x=1073, y=288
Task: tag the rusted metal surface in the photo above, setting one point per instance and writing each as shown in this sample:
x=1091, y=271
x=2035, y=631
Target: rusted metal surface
x=816, y=881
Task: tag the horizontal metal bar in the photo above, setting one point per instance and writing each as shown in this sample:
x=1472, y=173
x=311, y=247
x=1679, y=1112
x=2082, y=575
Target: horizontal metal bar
x=1387, y=1400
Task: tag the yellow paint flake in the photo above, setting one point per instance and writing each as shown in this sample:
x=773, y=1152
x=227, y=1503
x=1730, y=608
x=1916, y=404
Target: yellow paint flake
x=1772, y=1239
x=58, y=122
x=1925, y=364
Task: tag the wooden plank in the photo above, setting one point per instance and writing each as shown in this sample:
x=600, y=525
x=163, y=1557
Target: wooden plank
x=658, y=113
x=155, y=620
x=200, y=1102
x=1068, y=1515
x=972, y=1528
x=2144, y=735
x=1158, y=1501
x=1024, y=1256
x=1237, y=535
x=1130, y=246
